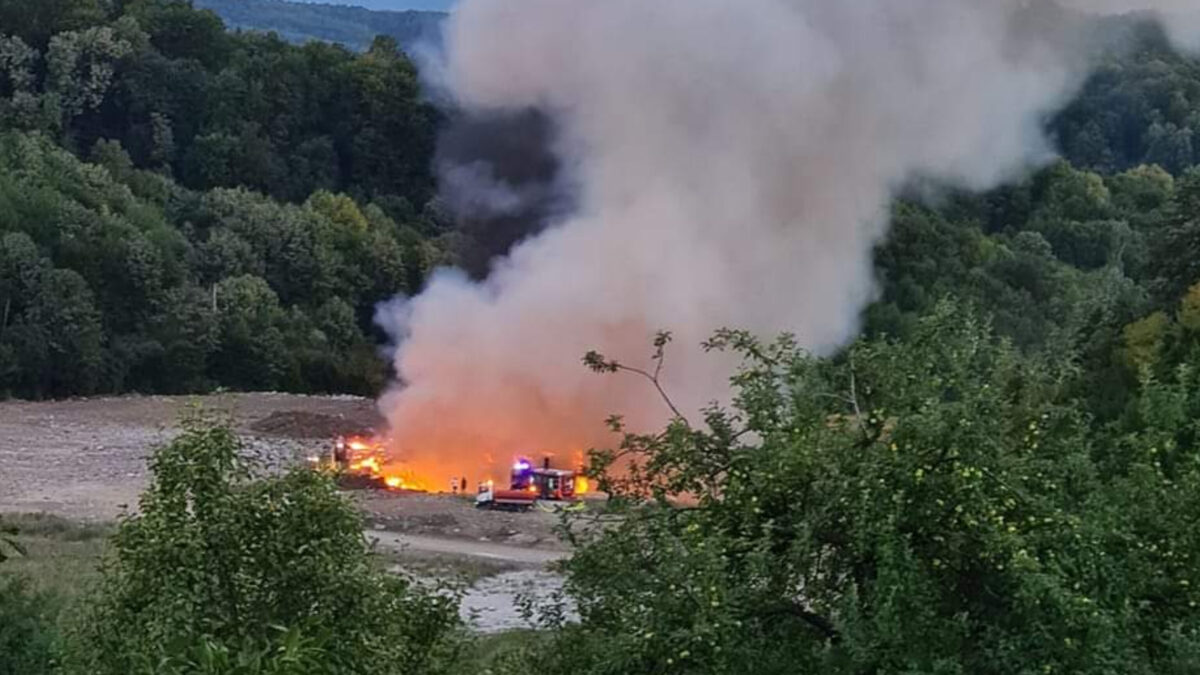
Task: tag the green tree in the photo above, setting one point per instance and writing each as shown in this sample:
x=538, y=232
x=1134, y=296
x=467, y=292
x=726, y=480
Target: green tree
x=179, y=31
x=925, y=506
x=56, y=339
x=189, y=332
x=36, y=22
x=80, y=68
x=224, y=572
x=1145, y=340
x=1189, y=309
x=251, y=352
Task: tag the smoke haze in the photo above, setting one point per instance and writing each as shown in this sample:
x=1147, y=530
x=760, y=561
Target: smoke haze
x=734, y=160
x=502, y=181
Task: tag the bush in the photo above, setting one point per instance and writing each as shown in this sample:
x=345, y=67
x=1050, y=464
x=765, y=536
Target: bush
x=938, y=505
x=224, y=571
x=26, y=631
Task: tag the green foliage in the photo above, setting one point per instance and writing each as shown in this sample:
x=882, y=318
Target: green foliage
x=936, y=505
x=8, y=544
x=1144, y=340
x=214, y=157
x=26, y=636
x=142, y=286
x=1189, y=310
x=1137, y=108
x=1178, y=244
x=26, y=629
x=221, y=155
x=223, y=571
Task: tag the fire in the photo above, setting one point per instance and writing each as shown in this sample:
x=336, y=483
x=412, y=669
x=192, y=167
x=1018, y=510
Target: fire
x=367, y=458
x=374, y=462
x=405, y=480
x=368, y=465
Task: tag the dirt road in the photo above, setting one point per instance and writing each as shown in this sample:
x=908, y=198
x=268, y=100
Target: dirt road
x=493, y=603
x=461, y=547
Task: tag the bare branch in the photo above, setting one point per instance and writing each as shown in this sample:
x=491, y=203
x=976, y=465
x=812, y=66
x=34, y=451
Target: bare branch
x=596, y=361
x=657, y=385
x=854, y=400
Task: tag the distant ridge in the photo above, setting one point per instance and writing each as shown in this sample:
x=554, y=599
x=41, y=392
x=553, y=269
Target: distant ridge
x=391, y=5
x=353, y=27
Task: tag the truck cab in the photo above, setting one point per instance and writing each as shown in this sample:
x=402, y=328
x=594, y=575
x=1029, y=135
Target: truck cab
x=546, y=483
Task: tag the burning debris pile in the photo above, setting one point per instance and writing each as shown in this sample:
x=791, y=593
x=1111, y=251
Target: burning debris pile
x=361, y=463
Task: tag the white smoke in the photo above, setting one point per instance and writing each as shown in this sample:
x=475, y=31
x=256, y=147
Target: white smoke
x=1180, y=18
x=737, y=159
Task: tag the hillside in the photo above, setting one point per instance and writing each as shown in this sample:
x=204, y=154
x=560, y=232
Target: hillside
x=236, y=206
x=354, y=27
x=392, y=5
x=217, y=210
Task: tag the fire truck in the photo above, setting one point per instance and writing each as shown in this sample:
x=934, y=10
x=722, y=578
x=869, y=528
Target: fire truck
x=528, y=484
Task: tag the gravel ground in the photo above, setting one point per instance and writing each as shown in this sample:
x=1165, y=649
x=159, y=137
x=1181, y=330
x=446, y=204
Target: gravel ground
x=85, y=458
x=456, y=517
x=492, y=605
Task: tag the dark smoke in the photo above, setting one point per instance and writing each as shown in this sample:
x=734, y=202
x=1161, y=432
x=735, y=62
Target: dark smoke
x=501, y=181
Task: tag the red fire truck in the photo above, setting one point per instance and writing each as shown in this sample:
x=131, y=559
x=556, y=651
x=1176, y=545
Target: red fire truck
x=528, y=484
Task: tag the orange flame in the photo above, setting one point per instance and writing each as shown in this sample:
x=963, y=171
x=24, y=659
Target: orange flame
x=368, y=459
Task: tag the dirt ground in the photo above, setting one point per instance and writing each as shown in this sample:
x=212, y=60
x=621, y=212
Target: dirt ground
x=85, y=459
x=456, y=517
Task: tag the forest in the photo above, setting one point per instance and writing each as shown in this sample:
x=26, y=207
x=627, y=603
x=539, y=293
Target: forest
x=229, y=204
x=236, y=206
x=1001, y=475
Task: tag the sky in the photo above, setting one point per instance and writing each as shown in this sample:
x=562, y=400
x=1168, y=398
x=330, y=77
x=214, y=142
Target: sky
x=439, y=5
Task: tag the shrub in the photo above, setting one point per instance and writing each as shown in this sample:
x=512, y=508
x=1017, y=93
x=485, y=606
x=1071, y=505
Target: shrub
x=938, y=505
x=227, y=571
x=26, y=631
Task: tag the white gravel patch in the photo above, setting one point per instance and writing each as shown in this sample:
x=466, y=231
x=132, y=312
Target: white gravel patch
x=492, y=605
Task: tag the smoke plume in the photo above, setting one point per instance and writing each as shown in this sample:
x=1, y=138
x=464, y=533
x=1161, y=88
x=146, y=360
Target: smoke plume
x=501, y=180
x=734, y=160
